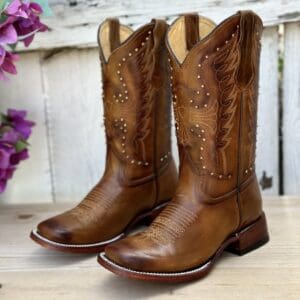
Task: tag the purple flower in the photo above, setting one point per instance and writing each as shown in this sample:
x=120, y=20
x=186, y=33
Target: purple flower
x=4, y=158
x=6, y=168
x=3, y=183
x=10, y=137
x=17, y=120
x=18, y=156
x=5, y=175
x=8, y=33
x=7, y=63
x=27, y=21
x=15, y=9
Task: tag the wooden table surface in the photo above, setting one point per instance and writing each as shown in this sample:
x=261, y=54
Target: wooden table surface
x=29, y=272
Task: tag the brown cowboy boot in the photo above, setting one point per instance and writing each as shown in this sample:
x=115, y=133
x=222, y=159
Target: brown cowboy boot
x=140, y=175
x=217, y=205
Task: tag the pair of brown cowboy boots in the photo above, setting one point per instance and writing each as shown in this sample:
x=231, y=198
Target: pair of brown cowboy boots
x=211, y=73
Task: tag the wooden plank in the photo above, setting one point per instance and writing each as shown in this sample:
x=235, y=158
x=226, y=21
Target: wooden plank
x=32, y=180
x=268, y=112
x=72, y=80
x=291, y=109
x=75, y=22
x=29, y=272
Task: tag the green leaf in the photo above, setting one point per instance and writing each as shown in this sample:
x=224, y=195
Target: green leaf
x=2, y=18
x=47, y=12
x=13, y=46
x=3, y=118
x=20, y=145
x=3, y=4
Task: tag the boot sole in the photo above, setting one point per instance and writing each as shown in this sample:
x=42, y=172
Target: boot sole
x=242, y=242
x=145, y=218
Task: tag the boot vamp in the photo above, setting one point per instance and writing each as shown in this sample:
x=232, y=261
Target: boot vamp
x=103, y=214
x=184, y=236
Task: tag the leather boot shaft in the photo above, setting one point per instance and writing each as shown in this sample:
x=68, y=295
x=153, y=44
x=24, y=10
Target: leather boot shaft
x=136, y=98
x=215, y=90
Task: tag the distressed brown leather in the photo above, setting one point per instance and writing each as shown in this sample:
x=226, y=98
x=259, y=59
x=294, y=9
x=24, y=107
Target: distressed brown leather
x=215, y=102
x=140, y=173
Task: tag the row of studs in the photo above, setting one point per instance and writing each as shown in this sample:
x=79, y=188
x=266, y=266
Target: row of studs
x=202, y=87
x=199, y=76
x=119, y=98
x=219, y=176
x=249, y=170
x=174, y=96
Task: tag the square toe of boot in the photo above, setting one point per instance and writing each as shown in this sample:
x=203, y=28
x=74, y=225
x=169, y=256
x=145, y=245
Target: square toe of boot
x=52, y=230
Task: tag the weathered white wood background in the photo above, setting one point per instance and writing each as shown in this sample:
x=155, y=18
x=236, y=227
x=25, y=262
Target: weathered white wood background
x=59, y=83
